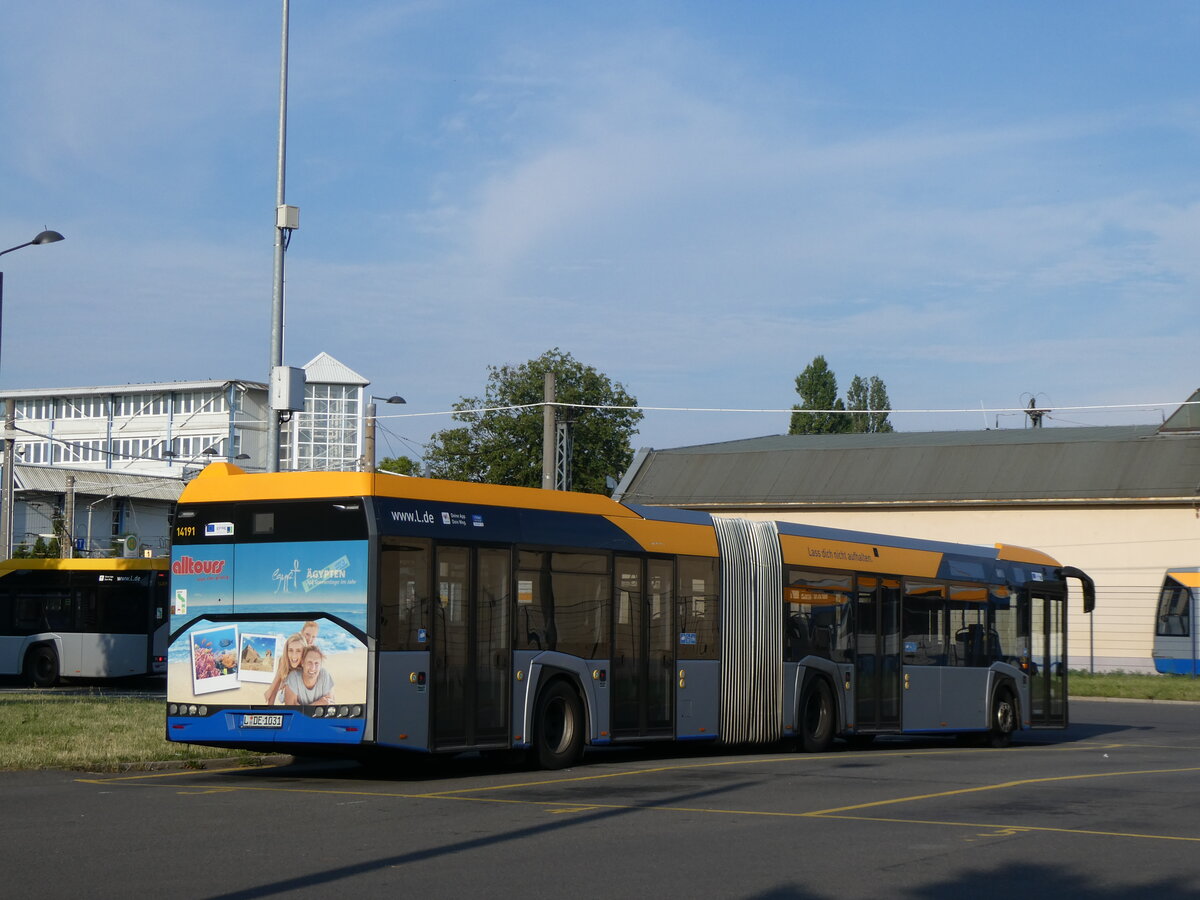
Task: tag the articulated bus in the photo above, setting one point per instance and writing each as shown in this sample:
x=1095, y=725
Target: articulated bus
x=1176, y=647
x=346, y=612
x=82, y=618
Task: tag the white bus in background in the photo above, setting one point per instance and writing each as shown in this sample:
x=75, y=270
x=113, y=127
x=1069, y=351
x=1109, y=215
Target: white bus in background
x=1175, y=638
x=82, y=618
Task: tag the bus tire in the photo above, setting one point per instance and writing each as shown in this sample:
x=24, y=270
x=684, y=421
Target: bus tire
x=816, y=718
x=558, y=726
x=1003, y=721
x=41, y=666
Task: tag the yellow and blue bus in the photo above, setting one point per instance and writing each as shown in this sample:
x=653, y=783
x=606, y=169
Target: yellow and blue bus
x=346, y=612
x=1176, y=646
x=82, y=618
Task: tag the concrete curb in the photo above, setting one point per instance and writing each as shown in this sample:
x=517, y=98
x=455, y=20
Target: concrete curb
x=196, y=765
x=1126, y=700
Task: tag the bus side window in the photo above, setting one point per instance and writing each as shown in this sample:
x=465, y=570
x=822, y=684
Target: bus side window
x=404, y=596
x=27, y=615
x=698, y=607
x=1173, y=611
x=923, y=628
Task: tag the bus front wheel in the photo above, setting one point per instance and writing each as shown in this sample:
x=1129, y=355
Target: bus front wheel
x=41, y=666
x=1004, y=719
x=558, y=740
x=816, y=717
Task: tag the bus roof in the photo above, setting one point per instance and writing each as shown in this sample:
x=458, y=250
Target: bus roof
x=1188, y=576
x=99, y=564
x=225, y=482
x=666, y=528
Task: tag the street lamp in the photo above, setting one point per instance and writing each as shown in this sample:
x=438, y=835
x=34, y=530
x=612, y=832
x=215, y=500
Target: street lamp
x=369, y=431
x=6, y=478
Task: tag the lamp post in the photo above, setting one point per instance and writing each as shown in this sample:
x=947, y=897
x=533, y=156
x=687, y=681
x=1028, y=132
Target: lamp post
x=369, y=431
x=6, y=478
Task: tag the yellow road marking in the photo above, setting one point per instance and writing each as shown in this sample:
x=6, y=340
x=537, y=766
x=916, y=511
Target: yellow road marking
x=780, y=758
x=556, y=807
x=1005, y=829
x=1001, y=786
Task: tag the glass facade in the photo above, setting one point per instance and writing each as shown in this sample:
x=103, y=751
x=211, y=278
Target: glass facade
x=325, y=435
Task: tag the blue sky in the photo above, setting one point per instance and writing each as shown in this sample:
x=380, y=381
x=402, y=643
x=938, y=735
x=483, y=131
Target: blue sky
x=976, y=202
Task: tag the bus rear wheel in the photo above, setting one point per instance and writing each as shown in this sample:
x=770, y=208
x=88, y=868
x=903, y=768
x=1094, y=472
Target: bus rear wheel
x=558, y=738
x=816, y=717
x=41, y=666
x=1004, y=719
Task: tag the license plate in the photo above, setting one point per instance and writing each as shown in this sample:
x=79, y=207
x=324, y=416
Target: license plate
x=262, y=720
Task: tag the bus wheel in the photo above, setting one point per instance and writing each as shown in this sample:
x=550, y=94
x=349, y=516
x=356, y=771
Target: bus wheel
x=558, y=740
x=816, y=717
x=41, y=666
x=1004, y=719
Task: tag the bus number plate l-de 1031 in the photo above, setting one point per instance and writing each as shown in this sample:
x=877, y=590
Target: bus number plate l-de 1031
x=262, y=720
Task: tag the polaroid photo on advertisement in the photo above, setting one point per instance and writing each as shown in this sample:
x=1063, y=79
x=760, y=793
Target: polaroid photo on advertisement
x=214, y=659
x=259, y=657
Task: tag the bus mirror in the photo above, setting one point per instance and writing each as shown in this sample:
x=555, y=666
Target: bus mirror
x=1085, y=581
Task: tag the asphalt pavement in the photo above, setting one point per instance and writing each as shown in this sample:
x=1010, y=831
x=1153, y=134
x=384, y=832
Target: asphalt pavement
x=1104, y=809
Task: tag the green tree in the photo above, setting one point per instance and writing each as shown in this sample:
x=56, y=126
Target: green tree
x=870, y=395
x=818, y=390
x=401, y=465
x=504, y=446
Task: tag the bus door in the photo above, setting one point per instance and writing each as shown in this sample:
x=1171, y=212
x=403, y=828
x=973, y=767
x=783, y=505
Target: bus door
x=877, y=654
x=643, y=661
x=1048, y=659
x=472, y=647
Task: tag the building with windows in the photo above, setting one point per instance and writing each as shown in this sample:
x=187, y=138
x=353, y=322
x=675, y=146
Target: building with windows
x=328, y=434
x=1120, y=502
x=122, y=452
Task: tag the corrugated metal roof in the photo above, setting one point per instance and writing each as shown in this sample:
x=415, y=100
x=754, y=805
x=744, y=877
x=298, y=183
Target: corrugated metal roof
x=157, y=387
x=324, y=369
x=1124, y=463
x=53, y=480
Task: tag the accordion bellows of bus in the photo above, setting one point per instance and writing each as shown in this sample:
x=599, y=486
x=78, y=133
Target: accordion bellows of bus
x=348, y=612
x=82, y=618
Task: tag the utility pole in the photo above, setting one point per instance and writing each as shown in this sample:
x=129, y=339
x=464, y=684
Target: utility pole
x=287, y=220
x=66, y=549
x=548, y=433
x=6, y=490
x=369, y=439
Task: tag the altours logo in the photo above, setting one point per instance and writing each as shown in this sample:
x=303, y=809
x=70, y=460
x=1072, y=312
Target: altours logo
x=185, y=565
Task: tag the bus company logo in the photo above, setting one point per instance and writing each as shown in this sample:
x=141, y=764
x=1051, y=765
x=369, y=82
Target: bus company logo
x=416, y=517
x=185, y=565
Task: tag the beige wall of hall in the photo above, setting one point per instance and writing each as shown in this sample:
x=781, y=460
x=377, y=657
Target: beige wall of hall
x=1125, y=549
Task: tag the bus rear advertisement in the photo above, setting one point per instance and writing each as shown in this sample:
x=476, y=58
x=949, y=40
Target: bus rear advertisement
x=350, y=612
x=231, y=634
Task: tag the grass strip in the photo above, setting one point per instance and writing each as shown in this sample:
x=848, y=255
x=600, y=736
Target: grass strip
x=1133, y=687
x=101, y=734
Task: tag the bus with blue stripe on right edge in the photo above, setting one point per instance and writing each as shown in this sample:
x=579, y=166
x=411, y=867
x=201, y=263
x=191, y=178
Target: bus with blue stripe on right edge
x=347, y=613
x=1176, y=644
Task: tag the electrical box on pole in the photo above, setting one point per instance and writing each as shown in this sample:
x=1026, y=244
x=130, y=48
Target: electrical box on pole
x=287, y=389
